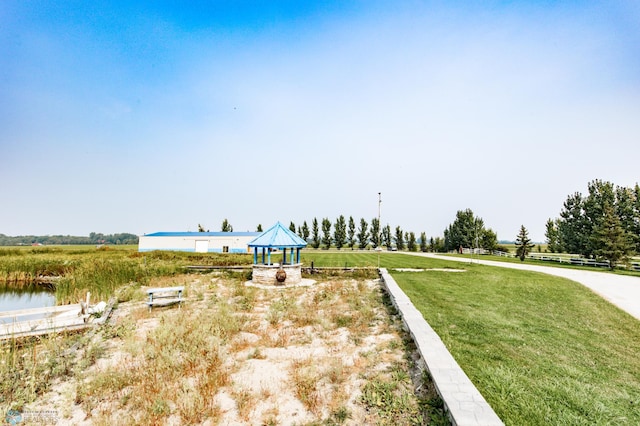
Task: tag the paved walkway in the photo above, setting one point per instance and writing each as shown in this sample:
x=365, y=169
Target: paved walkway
x=621, y=290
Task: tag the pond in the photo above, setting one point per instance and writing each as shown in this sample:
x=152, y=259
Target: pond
x=11, y=300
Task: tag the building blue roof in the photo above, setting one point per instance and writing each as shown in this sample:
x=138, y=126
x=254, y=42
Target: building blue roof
x=278, y=237
x=203, y=234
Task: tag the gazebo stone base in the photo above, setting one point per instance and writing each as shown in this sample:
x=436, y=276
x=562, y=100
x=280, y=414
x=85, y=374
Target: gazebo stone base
x=266, y=274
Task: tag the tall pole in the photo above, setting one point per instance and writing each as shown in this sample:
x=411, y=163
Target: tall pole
x=379, y=228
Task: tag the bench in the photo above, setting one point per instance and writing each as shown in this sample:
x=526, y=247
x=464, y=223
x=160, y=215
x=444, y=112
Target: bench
x=163, y=296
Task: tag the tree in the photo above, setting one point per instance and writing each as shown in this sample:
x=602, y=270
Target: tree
x=399, y=239
x=553, y=236
x=305, y=231
x=601, y=194
x=635, y=229
x=572, y=227
x=580, y=216
x=411, y=242
x=611, y=241
x=375, y=232
x=363, y=234
x=315, y=234
x=201, y=228
x=488, y=239
x=259, y=228
x=326, y=233
x=438, y=245
x=292, y=227
x=523, y=243
x=226, y=226
x=386, y=236
x=625, y=209
x=351, y=235
x=340, y=232
x=423, y=242
x=465, y=231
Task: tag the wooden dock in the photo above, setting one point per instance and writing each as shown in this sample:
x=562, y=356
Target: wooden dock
x=20, y=323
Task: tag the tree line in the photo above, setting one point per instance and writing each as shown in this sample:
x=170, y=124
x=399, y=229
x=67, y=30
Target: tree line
x=363, y=234
x=603, y=224
x=93, y=238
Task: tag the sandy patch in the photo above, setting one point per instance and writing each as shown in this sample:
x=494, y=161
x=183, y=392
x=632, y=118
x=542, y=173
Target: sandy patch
x=293, y=357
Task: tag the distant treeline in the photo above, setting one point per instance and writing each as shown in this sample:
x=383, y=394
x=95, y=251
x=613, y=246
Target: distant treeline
x=93, y=238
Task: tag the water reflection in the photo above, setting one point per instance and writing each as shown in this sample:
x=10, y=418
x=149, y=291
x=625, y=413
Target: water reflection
x=11, y=300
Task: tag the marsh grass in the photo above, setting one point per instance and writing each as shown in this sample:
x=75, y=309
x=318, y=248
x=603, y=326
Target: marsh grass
x=100, y=272
x=541, y=349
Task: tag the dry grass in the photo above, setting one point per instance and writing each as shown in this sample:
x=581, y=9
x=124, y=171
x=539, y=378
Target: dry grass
x=234, y=354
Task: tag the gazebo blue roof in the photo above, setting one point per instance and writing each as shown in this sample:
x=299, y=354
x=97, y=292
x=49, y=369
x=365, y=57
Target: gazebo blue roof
x=278, y=237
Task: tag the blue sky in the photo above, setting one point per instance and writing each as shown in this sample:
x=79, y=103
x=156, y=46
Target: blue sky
x=157, y=116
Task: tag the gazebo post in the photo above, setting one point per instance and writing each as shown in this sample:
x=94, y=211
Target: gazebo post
x=284, y=256
x=255, y=255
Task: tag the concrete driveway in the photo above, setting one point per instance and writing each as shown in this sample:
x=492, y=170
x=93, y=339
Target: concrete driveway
x=621, y=290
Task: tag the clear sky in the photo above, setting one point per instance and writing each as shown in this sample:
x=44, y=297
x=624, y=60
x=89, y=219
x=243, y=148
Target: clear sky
x=125, y=116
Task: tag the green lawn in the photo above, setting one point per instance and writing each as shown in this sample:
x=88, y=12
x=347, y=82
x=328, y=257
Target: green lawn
x=541, y=349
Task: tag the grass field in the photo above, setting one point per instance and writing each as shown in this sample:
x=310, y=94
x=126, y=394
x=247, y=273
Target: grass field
x=541, y=349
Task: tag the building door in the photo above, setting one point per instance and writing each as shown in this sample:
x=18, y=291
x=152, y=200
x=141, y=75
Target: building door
x=202, y=246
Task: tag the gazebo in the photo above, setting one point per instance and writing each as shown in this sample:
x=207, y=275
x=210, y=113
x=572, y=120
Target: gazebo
x=279, y=273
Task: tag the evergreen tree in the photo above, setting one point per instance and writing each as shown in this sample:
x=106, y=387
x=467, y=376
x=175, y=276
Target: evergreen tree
x=351, y=236
x=386, y=236
x=315, y=234
x=465, y=231
x=572, y=226
x=363, y=234
x=201, y=228
x=326, y=233
x=375, y=232
x=553, y=236
x=340, y=232
x=292, y=227
x=259, y=228
x=488, y=239
x=613, y=243
x=411, y=242
x=635, y=229
x=399, y=239
x=423, y=242
x=305, y=231
x=629, y=217
x=523, y=243
x=226, y=226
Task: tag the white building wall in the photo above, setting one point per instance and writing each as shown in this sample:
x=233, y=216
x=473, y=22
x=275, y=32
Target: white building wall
x=216, y=244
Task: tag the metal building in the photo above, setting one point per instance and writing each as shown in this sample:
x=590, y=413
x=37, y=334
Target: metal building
x=199, y=242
